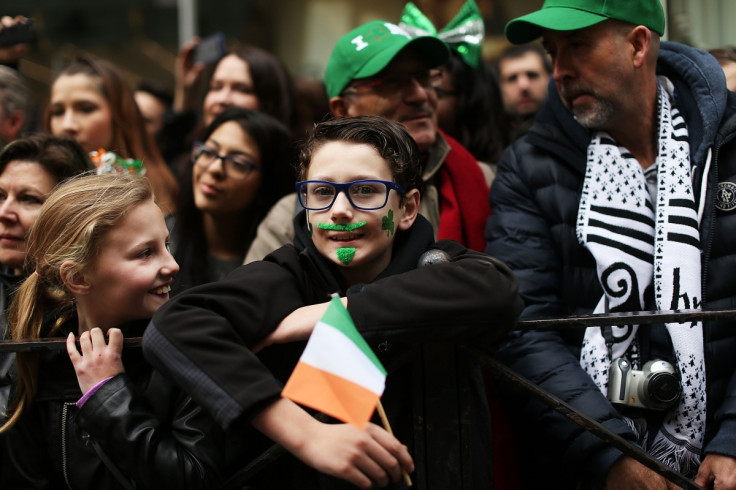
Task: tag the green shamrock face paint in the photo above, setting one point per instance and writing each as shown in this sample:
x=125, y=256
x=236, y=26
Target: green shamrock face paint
x=387, y=223
x=339, y=227
x=345, y=254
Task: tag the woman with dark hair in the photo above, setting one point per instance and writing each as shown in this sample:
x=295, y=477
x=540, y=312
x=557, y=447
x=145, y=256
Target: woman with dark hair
x=237, y=172
x=91, y=102
x=469, y=108
x=246, y=77
x=250, y=78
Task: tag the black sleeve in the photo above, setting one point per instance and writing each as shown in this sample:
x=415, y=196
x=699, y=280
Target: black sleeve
x=518, y=233
x=183, y=451
x=470, y=295
x=201, y=338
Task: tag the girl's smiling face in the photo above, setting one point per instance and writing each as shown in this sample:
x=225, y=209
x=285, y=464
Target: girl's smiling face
x=362, y=251
x=132, y=275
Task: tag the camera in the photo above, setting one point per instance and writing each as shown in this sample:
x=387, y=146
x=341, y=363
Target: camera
x=656, y=386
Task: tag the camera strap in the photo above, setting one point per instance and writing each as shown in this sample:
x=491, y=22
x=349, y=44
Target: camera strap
x=607, y=333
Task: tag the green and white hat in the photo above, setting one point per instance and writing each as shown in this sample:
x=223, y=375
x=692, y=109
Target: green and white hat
x=368, y=49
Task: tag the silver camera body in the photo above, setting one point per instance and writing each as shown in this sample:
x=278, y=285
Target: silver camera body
x=655, y=387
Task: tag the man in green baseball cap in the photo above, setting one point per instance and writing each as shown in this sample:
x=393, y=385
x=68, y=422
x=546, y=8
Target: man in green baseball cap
x=620, y=198
x=379, y=69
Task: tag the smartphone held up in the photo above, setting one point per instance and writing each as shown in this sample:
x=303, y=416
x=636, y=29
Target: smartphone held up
x=210, y=49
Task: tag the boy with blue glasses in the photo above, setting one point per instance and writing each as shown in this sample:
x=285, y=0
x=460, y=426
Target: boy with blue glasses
x=360, y=235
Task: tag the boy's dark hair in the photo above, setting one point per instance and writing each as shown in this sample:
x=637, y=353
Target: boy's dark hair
x=391, y=139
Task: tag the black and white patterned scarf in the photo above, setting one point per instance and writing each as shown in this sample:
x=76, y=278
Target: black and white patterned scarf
x=634, y=243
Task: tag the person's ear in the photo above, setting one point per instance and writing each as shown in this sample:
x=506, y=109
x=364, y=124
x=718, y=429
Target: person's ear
x=74, y=279
x=410, y=209
x=640, y=39
x=12, y=125
x=339, y=106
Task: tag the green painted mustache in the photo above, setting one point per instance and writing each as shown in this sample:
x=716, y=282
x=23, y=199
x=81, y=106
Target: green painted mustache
x=339, y=227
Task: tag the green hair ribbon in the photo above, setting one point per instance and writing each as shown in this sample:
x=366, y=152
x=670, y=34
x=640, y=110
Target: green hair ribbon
x=463, y=34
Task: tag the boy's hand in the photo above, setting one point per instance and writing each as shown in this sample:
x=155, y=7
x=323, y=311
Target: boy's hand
x=363, y=457
x=98, y=360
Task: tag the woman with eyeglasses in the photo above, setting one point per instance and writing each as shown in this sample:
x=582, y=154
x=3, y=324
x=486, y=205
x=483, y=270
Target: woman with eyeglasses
x=239, y=170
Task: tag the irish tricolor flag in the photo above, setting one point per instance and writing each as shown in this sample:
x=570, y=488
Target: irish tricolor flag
x=338, y=373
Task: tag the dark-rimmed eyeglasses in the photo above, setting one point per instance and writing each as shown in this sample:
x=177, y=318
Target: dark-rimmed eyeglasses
x=317, y=195
x=394, y=82
x=234, y=166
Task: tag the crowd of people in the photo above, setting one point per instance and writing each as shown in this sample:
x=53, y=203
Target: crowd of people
x=440, y=196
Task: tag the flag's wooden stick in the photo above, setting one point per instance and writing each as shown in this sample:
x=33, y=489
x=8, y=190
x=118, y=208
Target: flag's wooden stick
x=387, y=426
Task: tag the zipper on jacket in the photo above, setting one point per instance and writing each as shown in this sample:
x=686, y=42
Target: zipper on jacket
x=64, y=413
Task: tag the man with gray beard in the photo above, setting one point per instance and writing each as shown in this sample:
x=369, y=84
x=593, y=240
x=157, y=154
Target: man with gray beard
x=622, y=198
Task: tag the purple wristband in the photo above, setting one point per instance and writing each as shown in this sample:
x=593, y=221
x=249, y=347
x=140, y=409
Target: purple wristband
x=91, y=391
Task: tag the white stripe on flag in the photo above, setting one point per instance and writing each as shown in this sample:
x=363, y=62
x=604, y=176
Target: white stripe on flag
x=330, y=350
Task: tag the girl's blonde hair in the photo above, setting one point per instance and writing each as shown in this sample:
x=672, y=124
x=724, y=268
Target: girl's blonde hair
x=70, y=227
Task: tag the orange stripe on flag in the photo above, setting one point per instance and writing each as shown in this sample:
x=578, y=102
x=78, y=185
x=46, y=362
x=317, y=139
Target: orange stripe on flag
x=331, y=395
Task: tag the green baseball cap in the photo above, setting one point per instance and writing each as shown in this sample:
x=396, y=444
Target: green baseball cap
x=570, y=15
x=368, y=49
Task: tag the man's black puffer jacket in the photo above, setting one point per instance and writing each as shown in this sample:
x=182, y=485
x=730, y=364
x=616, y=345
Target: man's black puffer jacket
x=535, y=201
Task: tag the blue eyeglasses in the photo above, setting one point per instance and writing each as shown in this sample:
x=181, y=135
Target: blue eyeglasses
x=317, y=195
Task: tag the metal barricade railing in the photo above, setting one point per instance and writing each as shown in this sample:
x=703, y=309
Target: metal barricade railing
x=425, y=482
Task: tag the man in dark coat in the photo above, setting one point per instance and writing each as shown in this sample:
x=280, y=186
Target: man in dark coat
x=620, y=198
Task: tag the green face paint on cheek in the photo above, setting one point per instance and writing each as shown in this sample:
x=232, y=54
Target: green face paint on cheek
x=387, y=223
x=345, y=254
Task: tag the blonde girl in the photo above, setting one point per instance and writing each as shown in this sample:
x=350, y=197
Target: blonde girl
x=99, y=417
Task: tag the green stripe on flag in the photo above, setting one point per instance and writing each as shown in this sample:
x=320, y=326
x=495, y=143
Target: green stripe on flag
x=338, y=317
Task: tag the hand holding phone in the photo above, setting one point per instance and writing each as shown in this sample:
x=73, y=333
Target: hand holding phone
x=21, y=31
